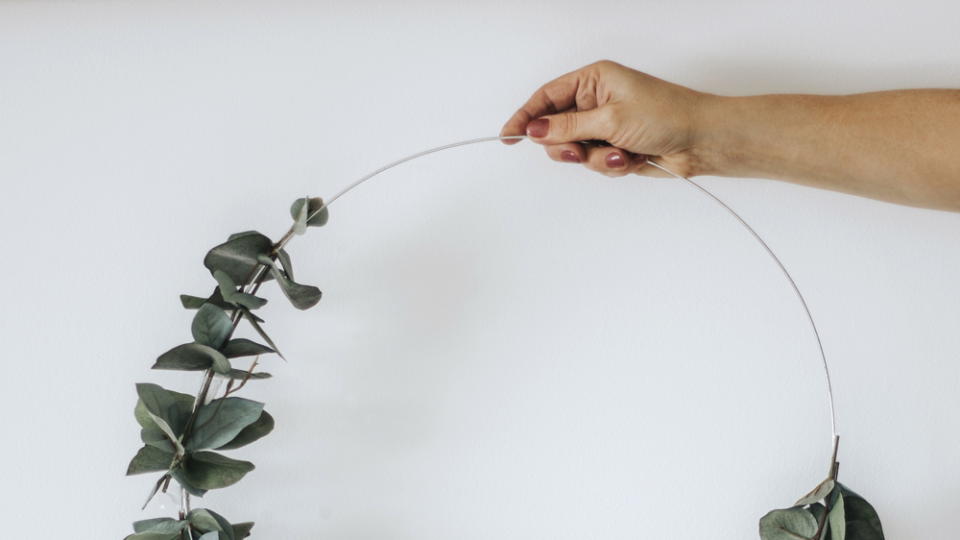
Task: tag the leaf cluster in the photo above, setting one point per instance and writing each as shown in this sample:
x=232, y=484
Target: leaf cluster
x=830, y=512
x=183, y=435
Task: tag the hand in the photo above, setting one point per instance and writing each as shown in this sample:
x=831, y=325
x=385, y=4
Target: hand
x=638, y=115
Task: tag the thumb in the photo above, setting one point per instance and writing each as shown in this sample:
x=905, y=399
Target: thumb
x=572, y=127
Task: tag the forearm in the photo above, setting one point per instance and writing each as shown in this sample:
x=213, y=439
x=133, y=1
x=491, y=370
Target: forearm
x=900, y=146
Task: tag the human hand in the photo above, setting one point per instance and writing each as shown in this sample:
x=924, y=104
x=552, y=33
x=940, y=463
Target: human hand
x=637, y=114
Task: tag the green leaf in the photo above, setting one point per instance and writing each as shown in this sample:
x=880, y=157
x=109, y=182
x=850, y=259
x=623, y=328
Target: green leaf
x=193, y=357
x=153, y=536
x=209, y=470
x=301, y=296
x=232, y=415
x=156, y=438
x=244, y=347
x=240, y=374
x=207, y=521
x=857, y=509
x=242, y=530
x=315, y=219
x=180, y=476
x=818, y=494
x=253, y=323
x=789, y=524
x=184, y=406
x=212, y=535
x=300, y=220
x=155, y=489
x=228, y=289
x=862, y=530
x=160, y=525
x=257, y=430
x=193, y=302
x=150, y=459
x=211, y=326
x=836, y=518
x=238, y=256
x=162, y=407
x=284, y=258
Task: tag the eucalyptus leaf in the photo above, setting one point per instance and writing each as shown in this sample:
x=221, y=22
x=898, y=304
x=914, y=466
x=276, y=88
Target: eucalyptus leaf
x=240, y=374
x=160, y=525
x=209, y=470
x=228, y=289
x=212, y=535
x=837, y=518
x=184, y=406
x=250, y=318
x=194, y=302
x=162, y=407
x=152, y=536
x=818, y=494
x=318, y=220
x=150, y=459
x=211, y=326
x=257, y=430
x=207, y=521
x=862, y=530
x=789, y=524
x=193, y=357
x=181, y=478
x=244, y=347
x=857, y=509
x=155, y=437
x=221, y=420
x=242, y=530
x=300, y=220
x=301, y=296
x=238, y=256
x=284, y=259
x=155, y=489
x=816, y=509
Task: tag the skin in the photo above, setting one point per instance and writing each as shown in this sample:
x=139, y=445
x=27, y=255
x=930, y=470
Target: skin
x=900, y=146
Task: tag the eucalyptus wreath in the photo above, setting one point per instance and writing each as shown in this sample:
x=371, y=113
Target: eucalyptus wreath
x=183, y=435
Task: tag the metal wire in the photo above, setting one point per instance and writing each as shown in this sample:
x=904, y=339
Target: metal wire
x=833, y=422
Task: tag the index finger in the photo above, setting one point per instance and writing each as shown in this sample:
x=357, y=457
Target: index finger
x=555, y=96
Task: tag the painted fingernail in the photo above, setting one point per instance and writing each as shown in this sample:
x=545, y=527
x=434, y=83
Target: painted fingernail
x=638, y=159
x=614, y=161
x=538, y=128
x=569, y=156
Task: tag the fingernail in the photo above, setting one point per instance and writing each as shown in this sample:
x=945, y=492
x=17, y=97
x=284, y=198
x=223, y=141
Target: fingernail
x=614, y=161
x=569, y=156
x=638, y=159
x=538, y=128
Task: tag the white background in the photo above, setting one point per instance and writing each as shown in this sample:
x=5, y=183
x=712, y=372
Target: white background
x=508, y=347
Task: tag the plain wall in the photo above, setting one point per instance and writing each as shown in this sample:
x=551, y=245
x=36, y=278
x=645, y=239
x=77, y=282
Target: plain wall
x=507, y=347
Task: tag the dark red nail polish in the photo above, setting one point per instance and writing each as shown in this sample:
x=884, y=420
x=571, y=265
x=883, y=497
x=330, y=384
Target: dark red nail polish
x=569, y=156
x=614, y=161
x=538, y=128
x=638, y=159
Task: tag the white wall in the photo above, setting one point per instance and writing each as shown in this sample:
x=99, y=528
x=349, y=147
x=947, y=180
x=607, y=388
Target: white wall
x=507, y=347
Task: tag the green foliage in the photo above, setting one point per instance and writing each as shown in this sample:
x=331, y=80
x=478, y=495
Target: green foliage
x=209, y=470
x=150, y=459
x=237, y=257
x=253, y=322
x=301, y=296
x=848, y=517
x=211, y=326
x=255, y=431
x=285, y=261
x=193, y=357
x=228, y=289
x=237, y=348
x=221, y=420
x=160, y=525
x=195, y=302
x=207, y=521
x=318, y=220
